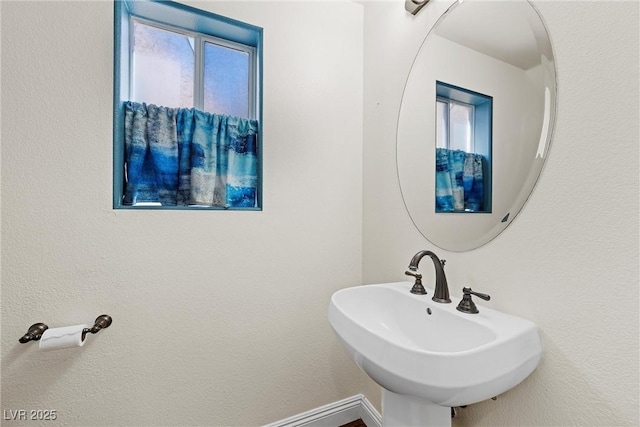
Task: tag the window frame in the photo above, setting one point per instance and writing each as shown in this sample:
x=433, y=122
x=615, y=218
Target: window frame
x=208, y=27
x=200, y=40
x=482, y=129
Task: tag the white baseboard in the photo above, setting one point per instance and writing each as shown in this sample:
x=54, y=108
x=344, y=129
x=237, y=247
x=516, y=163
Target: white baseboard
x=335, y=414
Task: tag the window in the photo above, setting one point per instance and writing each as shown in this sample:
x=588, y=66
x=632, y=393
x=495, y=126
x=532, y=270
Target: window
x=171, y=55
x=455, y=125
x=463, y=149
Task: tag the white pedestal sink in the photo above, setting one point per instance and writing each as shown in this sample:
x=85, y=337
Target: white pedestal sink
x=428, y=356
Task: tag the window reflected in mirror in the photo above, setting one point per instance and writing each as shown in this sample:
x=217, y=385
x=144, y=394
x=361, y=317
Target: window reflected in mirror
x=463, y=150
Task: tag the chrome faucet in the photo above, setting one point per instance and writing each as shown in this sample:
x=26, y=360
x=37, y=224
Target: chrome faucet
x=441, y=293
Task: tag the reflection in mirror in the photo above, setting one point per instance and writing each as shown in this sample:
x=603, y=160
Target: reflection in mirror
x=463, y=150
x=476, y=121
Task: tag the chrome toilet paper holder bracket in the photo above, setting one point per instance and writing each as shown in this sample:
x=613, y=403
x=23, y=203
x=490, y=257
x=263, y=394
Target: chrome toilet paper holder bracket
x=37, y=329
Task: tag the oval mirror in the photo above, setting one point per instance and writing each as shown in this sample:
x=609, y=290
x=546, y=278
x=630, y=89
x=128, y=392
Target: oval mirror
x=476, y=120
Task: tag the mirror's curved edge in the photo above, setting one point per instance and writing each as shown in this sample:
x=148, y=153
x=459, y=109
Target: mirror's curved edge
x=448, y=10
x=544, y=144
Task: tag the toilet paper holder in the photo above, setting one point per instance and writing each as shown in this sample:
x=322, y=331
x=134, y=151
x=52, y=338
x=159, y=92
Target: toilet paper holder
x=37, y=329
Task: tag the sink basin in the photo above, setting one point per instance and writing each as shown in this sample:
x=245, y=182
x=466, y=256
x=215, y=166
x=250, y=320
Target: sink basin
x=446, y=357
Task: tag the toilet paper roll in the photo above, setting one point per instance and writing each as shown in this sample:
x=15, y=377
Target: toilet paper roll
x=58, y=338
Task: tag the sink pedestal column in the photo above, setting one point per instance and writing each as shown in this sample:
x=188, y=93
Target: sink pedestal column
x=399, y=410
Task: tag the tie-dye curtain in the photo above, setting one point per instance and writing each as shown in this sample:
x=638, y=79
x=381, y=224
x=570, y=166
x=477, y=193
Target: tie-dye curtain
x=182, y=157
x=459, y=181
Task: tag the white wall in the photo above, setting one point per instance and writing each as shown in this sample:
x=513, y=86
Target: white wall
x=219, y=318
x=570, y=260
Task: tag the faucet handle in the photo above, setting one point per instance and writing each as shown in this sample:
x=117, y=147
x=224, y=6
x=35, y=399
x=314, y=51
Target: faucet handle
x=417, y=286
x=478, y=294
x=466, y=303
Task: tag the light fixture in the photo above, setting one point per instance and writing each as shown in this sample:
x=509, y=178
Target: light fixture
x=414, y=6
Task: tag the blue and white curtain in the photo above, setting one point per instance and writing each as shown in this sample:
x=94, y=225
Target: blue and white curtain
x=459, y=181
x=184, y=156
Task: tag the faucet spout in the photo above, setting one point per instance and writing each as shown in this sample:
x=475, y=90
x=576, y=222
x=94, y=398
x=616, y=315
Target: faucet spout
x=441, y=293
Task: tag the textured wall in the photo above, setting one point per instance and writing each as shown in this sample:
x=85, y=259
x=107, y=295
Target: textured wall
x=570, y=260
x=219, y=317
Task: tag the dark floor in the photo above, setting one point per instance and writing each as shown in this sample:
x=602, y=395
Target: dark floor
x=356, y=423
